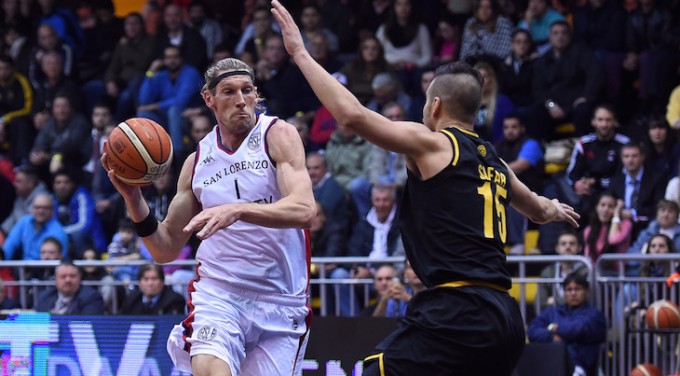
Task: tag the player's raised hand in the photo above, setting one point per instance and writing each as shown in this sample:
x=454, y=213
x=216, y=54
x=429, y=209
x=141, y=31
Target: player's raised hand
x=289, y=30
x=565, y=212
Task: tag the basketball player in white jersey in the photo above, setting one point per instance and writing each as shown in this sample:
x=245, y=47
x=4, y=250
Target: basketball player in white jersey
x=247, y=193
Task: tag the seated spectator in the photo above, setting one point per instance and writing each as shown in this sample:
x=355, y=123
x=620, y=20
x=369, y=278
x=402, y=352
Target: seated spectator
x=174, y=32
x=576, y=324
x=568, y=244
x=486, y=33
x=5, y=301
x=16, y=106
x=495, y=105
x=406, y=42
x=200, y=19
x=385, y=167
x=360, y=71
x=538, y=18
x=166, y=93
x=48, y=42
x=50, y=250
x=524, y=156
x=64, y=141
x=567, y=84
x=639, y=188
x=113, y=295
x=386, y=89
x=382, y=280
x=376, y=235
x=651, y=44
x=281, y=83
x=27, y=186
x=516, y=70
x=153, y=296
x=608, y=231
x=311, y=25
x=629, y=297
x=347, y=159
x=251, y=47
x=399, y=295
x=24, y=240
x=75, y=209
x=446, y=41
x=327, y=191
x=131, y=57
x=666, y=223
x=126, y=246
x=68, y=296
x=595, y=160
x=54, y=84
x=661, y=148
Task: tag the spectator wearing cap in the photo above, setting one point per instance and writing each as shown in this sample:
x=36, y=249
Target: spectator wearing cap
x=387, y=88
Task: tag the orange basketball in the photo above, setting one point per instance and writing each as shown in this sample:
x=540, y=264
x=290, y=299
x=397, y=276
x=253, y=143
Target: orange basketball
x=645, y=369
x=139, y=151
x=663, y=314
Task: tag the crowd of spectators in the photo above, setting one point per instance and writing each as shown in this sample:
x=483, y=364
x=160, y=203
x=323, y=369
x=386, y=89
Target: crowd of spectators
x=71, y=70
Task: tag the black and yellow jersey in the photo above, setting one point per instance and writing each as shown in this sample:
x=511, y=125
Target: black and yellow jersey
x=454, y=223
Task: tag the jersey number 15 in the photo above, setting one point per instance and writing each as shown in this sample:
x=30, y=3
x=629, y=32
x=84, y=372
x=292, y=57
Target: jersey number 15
x=492, y=200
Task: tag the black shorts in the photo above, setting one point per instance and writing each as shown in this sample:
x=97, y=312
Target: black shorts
x=453, y=331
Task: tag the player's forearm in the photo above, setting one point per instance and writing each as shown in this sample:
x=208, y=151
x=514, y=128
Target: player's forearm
x=285, y=213
x=547, y=212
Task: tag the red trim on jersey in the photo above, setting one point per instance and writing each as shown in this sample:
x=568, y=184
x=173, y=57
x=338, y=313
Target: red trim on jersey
x=189, y=321
x=308, y=256
x=308, y=322
x=266, y=146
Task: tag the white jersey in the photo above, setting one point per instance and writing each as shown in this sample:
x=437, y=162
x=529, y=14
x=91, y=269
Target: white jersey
x=244, y=255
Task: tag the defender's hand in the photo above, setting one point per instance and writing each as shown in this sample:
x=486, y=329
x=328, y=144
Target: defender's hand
x=289, y=30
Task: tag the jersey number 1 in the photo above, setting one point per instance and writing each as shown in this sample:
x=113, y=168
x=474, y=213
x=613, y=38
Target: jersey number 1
x=491, y=200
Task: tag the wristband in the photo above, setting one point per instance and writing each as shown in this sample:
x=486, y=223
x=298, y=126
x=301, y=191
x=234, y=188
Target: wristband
x=57, y=157
x=150, y=73
x=616, y=220
x=147, y=226
x=551, y=327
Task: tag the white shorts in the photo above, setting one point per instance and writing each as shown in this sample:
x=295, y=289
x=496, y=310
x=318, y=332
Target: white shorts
x=255, y=334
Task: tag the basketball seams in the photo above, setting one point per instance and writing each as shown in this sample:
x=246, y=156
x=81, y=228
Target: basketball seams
x=112, y=154
x=139, y=145
x=160, y=143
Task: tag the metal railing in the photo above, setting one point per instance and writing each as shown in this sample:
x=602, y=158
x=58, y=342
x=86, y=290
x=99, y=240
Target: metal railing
x=620, y=297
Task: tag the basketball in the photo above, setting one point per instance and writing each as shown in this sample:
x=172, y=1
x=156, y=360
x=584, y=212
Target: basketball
x=645, y=369
x=139, y=151
x=663, y=314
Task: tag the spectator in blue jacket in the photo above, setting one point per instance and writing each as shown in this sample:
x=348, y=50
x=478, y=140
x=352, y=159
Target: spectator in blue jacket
x=576, y=324
x=32, y=229
x=166, y=93
x=666, y=223
x=75, y=209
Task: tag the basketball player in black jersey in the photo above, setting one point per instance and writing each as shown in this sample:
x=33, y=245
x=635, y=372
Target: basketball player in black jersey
x=453, y=224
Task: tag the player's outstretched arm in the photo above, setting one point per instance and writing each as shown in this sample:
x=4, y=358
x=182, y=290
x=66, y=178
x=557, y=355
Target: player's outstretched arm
x=408, y=138
x=295, y=209
x=167, y=241
x=537, y=208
